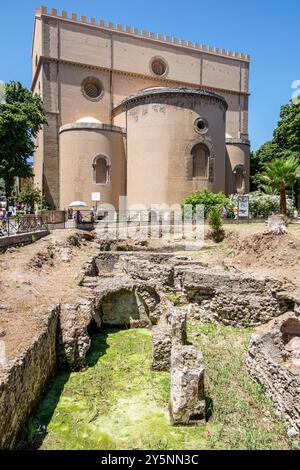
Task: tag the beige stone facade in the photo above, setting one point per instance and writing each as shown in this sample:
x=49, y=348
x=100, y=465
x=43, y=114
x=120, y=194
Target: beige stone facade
x=136, y=114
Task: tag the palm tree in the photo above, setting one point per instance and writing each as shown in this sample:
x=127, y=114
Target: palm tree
x=280, y=174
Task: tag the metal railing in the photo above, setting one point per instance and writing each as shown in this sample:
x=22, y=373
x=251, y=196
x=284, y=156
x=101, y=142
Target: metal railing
x=15, y=226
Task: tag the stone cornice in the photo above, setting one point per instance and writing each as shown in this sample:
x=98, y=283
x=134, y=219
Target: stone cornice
x=76, y=126
x=166, y=81
x=238, y=141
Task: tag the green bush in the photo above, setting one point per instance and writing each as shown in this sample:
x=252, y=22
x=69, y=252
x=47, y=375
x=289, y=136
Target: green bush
x=217, y=232
x=263, y=205
x=174, y=297
x=74, y=240
x=209, y=200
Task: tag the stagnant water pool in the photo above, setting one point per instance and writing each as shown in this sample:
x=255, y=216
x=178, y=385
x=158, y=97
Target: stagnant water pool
x=118, y=402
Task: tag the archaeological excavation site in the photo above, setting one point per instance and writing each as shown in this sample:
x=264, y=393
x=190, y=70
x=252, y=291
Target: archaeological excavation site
x=130, y=344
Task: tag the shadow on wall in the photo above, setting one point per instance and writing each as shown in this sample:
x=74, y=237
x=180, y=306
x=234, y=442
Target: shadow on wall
x=47, y=193
x=123, y=308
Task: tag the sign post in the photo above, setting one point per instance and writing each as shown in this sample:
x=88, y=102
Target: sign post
x=96, y=197
x=243, y=207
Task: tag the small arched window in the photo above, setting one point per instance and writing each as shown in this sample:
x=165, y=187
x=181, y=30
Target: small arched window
x=200, y=154
x=239, y=179
x=101, y=168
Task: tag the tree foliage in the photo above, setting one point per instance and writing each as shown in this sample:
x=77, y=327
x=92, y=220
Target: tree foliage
x=266, y=153
x=2, y=188
x=217, y=233
x=280, y=174
x=287, y=133
x=21, y=118
x=263, y=205
x=30, y=195
x=285, y=146
x=209, y=200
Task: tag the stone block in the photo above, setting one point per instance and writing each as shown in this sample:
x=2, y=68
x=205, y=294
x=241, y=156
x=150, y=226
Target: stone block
x=178, y=325
x=161, y=346
x=274, y=362
x=187, y=400
x=170, y=330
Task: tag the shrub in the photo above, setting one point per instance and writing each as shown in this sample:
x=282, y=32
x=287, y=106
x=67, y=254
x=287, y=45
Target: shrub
x=209, y=200
x=74, y=240
x=30, y=195
x=263, y=205
x=217, y=232
x=174, y=297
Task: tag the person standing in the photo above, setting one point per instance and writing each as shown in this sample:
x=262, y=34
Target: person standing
x=93, y=214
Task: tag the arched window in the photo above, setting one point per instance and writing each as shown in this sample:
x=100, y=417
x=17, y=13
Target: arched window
x=200, y=154
x=239, y=179
x=101, y=168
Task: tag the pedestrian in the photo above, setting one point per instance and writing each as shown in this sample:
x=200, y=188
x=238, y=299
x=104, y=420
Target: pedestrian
x=78, y=217
x=2, y=219
x=93, y=215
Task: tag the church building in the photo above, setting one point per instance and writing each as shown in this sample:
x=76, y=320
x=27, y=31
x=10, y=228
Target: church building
x=137, y=114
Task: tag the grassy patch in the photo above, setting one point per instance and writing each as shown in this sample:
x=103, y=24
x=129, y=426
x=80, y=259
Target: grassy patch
x=119, y=403
x=242, y=418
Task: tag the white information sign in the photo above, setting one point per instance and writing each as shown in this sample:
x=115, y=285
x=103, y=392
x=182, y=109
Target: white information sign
x=243, y=207
x=96, y=197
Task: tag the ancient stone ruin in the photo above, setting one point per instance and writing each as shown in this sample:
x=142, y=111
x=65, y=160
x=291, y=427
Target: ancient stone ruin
x=171, y=353
x=187, y=400
x=161, y=346
x=274, y=362
x=170, y=329
x=135, y=289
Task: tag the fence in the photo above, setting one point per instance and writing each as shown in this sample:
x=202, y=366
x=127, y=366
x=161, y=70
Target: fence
x=57, y=219
x=54, y=218
x=26, y=224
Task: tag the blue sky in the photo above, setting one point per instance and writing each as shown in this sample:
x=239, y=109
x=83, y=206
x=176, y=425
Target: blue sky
x=268, y=30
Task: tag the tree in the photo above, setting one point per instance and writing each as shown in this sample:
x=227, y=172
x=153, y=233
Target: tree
x=280, y=174
x=30, y=195
x=2, y=189
x=21, y=118
x=285, y=144
x=217, y=233
x=287, y=133
x=266, y=153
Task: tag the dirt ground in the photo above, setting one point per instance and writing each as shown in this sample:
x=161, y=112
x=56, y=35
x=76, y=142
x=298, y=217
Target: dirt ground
x=46, y=272
x=41, y=274
x=249, y=249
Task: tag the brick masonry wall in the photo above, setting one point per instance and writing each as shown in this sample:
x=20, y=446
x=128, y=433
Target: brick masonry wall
x=22, y=238
x=24, y=379
x=51, y=161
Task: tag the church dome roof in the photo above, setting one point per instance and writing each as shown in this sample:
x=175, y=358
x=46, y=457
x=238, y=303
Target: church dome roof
x=160, y=91
x=89, y=120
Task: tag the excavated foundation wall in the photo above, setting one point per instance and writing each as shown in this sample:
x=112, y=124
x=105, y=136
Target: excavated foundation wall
x=24, y=379
x=212, y=295
x=129, y=290
x=274, y=362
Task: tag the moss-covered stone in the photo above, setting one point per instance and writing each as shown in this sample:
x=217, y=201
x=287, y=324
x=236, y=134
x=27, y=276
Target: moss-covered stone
x=118, y=402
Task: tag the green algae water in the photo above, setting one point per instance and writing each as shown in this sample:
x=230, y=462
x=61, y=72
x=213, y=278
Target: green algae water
x=118, y=402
